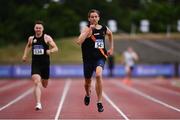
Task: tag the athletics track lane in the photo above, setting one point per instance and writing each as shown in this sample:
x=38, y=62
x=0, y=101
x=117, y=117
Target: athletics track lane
x=63, y=99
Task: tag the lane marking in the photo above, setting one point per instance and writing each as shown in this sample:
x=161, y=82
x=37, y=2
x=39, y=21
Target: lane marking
x=115, y=106
x=160, y=88
x=17, y=99
x=12, y=85
x=112, y=103
x=145, y=96
x=65, y=91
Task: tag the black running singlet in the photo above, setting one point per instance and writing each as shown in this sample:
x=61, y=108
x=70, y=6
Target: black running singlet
x=93, y=49
x=39, y=48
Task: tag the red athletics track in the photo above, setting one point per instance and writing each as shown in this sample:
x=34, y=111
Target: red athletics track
x=63, y=99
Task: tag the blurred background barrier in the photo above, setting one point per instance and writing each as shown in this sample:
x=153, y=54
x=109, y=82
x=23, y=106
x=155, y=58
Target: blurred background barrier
x=151, y=27
x=141, y=70
x=60, y=16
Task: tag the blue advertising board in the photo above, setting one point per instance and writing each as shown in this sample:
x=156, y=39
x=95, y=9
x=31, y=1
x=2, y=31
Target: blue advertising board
x=154, y=70
x=66, y=71
x=5, y=71
x=23, y=71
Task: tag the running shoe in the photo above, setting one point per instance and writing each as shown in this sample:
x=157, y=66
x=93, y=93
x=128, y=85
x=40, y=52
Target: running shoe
x=86, y=100
x=127, y=82
x=38, y=106
x=100, y=107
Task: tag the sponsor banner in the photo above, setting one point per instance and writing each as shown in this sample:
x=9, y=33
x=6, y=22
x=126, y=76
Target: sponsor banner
x=145, y=70
x=5, y=71
x=179, y=70
x=17, y=71
x=166, y=70
x=118, y=71
x=21, y=71
x=66, y=71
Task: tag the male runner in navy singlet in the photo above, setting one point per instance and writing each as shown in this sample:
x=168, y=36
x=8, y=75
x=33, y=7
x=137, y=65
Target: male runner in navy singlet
x=92, y=41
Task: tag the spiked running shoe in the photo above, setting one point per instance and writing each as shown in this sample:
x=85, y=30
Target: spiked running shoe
x=100, y=107
x=87, y=100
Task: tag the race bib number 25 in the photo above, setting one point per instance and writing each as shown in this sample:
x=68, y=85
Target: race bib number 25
x=99, y=43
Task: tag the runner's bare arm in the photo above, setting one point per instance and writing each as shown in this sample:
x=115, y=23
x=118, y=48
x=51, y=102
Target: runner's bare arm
x=53, y=45
x=135, y=56
x=110, y=38
x=86, y=32
x=27, y=49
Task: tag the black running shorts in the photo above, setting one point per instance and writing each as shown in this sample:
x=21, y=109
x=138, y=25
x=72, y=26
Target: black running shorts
x=41, y=68
x=90, y=67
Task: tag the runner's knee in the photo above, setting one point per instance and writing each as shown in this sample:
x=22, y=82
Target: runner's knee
x=36, y=79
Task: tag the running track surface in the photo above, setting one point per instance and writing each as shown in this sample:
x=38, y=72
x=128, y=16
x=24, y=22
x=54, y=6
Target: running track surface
x=63, y=99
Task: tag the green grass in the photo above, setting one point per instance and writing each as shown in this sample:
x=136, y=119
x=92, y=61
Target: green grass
x=69, y=52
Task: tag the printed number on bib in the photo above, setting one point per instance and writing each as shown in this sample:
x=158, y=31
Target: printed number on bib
x=99, y=43
x=38, y=50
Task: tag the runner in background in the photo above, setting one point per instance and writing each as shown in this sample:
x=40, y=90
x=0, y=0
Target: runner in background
x=129, y=59
x=111, y=65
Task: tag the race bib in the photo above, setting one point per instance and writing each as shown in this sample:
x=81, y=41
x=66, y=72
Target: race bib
x=99, y=43
x=38, y=50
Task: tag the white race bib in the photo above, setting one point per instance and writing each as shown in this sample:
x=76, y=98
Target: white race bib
x=38, y=50
x=99, y=43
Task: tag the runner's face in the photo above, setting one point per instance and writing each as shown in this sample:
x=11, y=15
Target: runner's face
x=94, y=18
x=38, y=28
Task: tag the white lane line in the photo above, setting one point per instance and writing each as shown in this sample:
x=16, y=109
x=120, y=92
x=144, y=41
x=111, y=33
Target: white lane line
x=17, y=99
x=112, y=103
x=12, y=85
x=146, y=96
x=65, y=91
x=166, y=90
x=115, y=106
